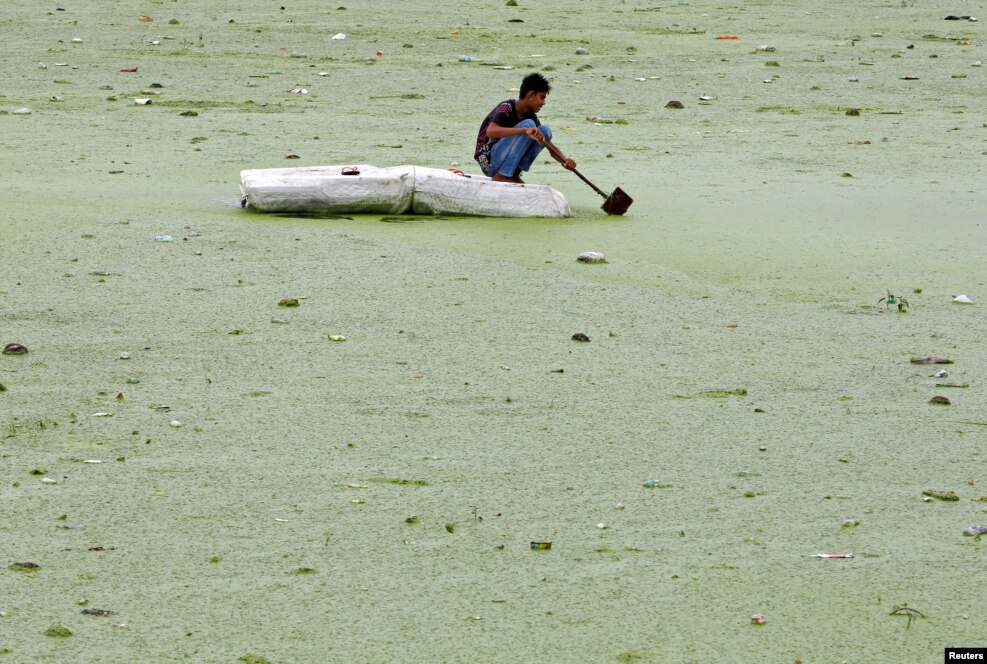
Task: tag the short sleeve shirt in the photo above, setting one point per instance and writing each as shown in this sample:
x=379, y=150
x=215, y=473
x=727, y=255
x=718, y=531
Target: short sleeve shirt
x=504, y=115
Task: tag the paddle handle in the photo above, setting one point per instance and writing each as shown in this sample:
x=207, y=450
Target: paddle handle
x=561, y=157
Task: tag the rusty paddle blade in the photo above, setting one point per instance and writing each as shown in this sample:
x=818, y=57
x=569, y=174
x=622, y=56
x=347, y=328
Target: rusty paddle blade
x=617, y=202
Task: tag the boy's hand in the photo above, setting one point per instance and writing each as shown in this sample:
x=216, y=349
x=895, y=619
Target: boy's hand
x=535, y=134
x=569, y=164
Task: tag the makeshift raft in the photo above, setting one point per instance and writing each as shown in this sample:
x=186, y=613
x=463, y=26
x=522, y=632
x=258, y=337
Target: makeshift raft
x=394, y=190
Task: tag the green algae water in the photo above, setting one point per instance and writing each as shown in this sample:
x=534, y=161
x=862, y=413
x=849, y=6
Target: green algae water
x=223, y=482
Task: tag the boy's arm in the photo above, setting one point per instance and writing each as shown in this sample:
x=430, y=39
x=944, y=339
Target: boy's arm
x=494, y=130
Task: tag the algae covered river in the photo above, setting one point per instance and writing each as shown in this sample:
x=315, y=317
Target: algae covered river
x=192, y=472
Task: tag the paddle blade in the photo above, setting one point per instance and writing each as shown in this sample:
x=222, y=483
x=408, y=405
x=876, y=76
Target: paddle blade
x=617, y=202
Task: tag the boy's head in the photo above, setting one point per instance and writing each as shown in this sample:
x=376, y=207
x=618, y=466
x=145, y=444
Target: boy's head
x=534, y=83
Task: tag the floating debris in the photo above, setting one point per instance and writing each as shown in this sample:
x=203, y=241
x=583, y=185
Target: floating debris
x=674, y=104
x=758, y=619
x=163, y=238
x=59, y=632
x=23, y=110
x=143, y=101
x=962, y=299
x=939, y=400
x=289, y=302
x=337, y=337
x=582, y=51
x=831, y=555
x=947, y=496
x=24, y=567
x=931, y=360
x=97, y=612
x=655, y=484
x=541, y=546
x=591, y=257
x=339, y=35
x=975, y=531
x=15, y=349
x=579, y=336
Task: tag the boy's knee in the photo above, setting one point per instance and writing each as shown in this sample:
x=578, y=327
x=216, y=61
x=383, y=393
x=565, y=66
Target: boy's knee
x=545, y=129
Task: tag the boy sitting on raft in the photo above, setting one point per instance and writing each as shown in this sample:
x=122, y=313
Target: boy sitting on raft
x=511, y=136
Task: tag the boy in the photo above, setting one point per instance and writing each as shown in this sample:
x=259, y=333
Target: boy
x=511, y=135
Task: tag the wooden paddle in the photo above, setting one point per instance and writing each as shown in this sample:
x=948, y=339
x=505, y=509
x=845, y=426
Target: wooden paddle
x=615, y=203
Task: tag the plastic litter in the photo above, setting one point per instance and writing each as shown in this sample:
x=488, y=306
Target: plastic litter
x=466, y=58
x=24, y=110
x=591, y=257
x=975, y=531
x=831, y=555
x=582, y=51
x=298, y=91
x=143, y=101
x=163, y=238
x=339, y=35
x=962, y=299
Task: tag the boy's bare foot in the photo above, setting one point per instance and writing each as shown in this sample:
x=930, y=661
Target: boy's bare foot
x=497, y=177
x=517, y=179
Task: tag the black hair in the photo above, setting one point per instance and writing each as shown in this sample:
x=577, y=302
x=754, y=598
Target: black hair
x=534, y=83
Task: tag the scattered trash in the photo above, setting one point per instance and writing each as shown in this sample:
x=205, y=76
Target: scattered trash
x=339, y=36
x=102, y=414
x=975, y=531
x=24, y=567
x=903, y=610
x=298, y=91
x=541, y=546
x=49, y=480
x=125, y=355
x=655, y=484
x=939, y=400
x=175, y=423
x=15, y=349
x=960, y=18
x=850, y=523
x=582, y=51
x=930, y=360
x=466, y=58
x=96, y=612
x=891, y=299
x=947, y=496
x=337, y=337
x=602, y=526
x=831, y=555
x=854, y=79
x=909, y=78
x=940, y=374
x=962, y=299
x=144, y=19
x=163, y=238
x=129, y=69
x=23, y=110
x=758, y=619
x=143, y=101
x=674, y=104
x=76, y=40
x=57, y=631
x=579, y=336
x=591, y=257
x=766, y=48
x=727, y=37
x=289, y=302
